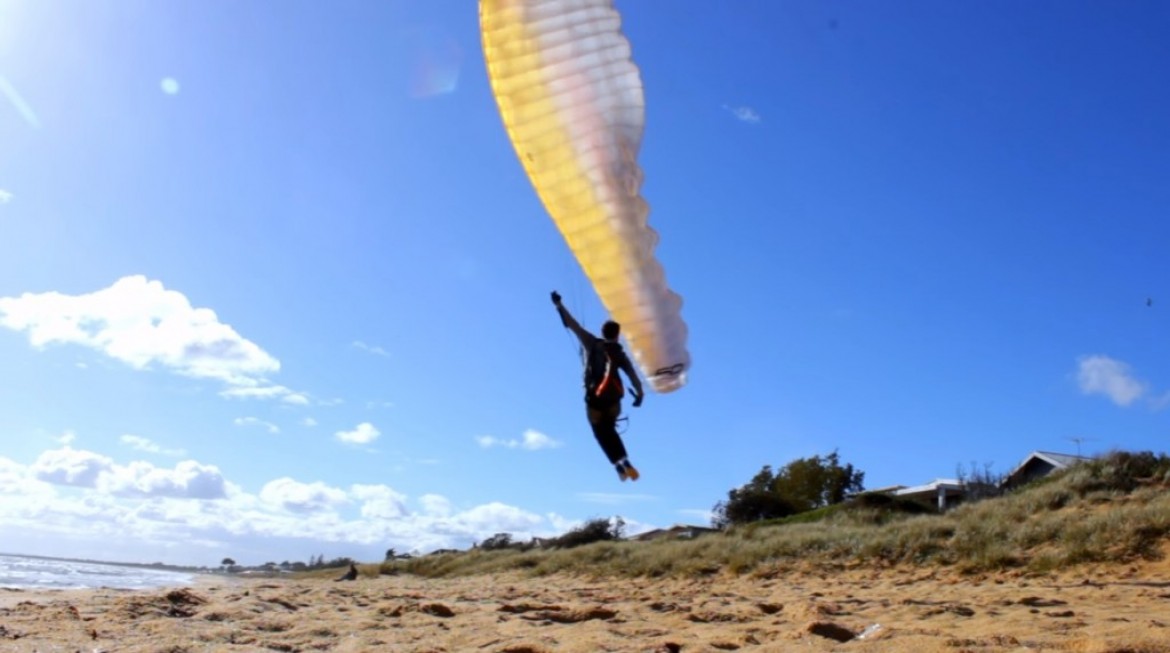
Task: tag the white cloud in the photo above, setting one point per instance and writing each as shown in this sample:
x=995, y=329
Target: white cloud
x=86, y=469
x=142, y=324
x=5, y=196
x=73, y=467
x=309, y=421
x=744, y=114
x=563, y=524
x=380, y=501
x=255, y=421
x=67, y=437
x=11, y=475
x=192, y=514
x=302, y=497
x=1160, y=403
x=188, y=479
x=487, y=441
x=18, y=480
x=435, y=504
x=140, y=443
x=373, y=349
x=265, y=391
x=1112, y=378
x=532, y=440
x=496, y=515
x=364, y=433
x=536, y=440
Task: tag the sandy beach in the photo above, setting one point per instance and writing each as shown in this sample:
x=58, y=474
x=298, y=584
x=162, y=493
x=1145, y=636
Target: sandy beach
x=1097, y=609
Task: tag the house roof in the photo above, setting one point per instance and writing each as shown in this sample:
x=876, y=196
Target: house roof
x=882, y=490
x=933, y=486
x=676, y=530
x=1057, y=460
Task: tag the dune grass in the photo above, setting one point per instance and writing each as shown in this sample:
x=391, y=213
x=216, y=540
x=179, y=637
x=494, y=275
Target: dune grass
x=1116, y=508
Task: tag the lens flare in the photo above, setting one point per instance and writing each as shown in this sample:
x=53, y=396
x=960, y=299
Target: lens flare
x=18, y=103
x=437, y=60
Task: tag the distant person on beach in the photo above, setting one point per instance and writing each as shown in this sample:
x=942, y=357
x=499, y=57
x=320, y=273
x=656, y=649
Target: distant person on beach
x=352, y=574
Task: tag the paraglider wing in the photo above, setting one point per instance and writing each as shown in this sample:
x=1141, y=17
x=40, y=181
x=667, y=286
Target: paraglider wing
x=572, y=102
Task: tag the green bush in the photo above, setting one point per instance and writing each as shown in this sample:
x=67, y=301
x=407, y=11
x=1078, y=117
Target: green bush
x=594, y=530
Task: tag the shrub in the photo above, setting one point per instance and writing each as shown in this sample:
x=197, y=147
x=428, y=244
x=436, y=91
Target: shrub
x=594, y=530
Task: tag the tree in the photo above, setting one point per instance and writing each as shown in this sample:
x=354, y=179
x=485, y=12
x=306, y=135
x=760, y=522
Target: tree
x=816, y=482
x=496, y=542
x=801, y=485
x=979, y=485
x=228, y=562
x=391, y=554
x=754, y=501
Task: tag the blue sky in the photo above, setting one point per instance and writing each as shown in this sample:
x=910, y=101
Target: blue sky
x=273, y=283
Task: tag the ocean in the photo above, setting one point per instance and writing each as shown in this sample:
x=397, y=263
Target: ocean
x=22, y=572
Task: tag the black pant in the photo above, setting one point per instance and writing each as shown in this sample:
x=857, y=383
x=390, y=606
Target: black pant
x=603, y=421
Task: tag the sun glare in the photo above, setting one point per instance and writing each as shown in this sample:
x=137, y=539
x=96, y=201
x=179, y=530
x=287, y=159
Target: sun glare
x=9, y=22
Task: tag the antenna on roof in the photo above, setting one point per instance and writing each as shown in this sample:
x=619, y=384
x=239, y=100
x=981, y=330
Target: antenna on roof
x=1079, y=440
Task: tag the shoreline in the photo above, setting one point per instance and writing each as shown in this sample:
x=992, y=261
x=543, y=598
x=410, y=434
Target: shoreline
x=10, y=596
x=154, y=566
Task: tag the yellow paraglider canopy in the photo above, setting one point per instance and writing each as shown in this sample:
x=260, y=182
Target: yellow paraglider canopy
x=572, y=101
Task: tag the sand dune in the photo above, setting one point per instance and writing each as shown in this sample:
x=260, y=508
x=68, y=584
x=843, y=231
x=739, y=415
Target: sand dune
x=1092, y=610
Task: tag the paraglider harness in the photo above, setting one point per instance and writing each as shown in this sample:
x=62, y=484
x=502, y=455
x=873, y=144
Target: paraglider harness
x=603, y=382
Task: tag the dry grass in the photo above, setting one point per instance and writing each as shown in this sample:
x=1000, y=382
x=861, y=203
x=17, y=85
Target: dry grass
x=1115, y=509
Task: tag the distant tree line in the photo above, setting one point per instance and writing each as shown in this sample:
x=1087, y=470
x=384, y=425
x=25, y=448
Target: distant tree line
x=599, y=529
x=315, y=562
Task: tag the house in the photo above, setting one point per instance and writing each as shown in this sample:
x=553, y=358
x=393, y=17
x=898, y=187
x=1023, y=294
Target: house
x=1039, y=464
x=946, y=493
x=678, y=531
x=943, y=492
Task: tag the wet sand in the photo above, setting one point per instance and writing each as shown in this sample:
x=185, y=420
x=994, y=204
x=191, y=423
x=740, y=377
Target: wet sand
x=1099, y=609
